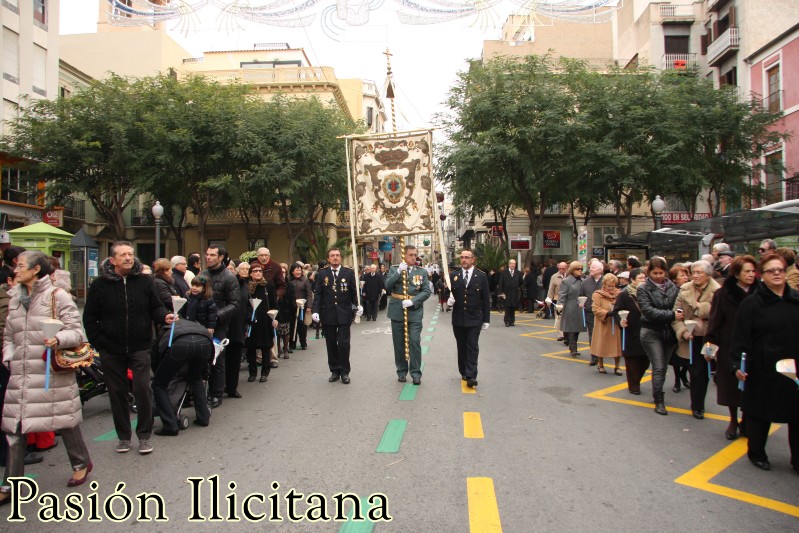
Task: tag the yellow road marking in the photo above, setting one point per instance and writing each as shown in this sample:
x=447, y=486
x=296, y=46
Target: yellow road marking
x=472, y=425
x=699, y=478
x=483, y=510
x=467, y=390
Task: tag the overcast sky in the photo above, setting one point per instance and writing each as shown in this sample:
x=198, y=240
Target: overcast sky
x=425, y=58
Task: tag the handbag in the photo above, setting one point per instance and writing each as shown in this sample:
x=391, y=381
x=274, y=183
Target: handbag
x=69, y=359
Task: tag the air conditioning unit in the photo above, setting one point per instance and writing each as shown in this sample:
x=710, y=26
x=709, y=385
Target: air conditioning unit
x=610, y=239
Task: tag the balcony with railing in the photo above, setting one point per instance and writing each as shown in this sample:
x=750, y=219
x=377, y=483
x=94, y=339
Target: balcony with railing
x=141, y=217
x=724, y=46
x=676, y=14
x=74, y=208
x=678, y=61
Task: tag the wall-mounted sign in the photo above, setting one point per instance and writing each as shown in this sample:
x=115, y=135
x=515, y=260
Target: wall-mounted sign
x=521, y=243
x=551, y=239
x=54, y=217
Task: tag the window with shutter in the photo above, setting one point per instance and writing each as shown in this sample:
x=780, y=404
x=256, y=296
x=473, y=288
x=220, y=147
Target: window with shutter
x=10, y=55
x=39, y=70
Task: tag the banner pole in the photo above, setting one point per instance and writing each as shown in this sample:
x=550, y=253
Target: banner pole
x=352, y=229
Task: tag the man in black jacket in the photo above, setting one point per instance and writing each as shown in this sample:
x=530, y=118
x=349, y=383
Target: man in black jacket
x=372, y=289
x=121, y=306
x=226, y=296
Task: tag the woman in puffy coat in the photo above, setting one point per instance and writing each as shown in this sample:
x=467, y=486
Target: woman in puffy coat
x=164, y=284
x=28, y=406
x=656, y=298
x=694, y=299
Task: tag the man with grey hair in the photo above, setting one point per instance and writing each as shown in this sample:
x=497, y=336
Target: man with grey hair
x=590, y=285
x=181, y=275
x=767, y=247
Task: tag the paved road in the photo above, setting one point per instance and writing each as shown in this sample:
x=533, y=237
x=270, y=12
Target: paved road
x=544, y=444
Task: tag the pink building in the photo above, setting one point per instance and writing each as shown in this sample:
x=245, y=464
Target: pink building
x=774, y=77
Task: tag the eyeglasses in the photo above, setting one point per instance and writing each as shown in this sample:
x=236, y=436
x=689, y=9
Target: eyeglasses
x=774, y=271
x=257, y=271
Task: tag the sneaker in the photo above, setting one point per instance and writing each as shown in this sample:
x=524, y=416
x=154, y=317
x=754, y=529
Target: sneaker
x=145, y=447
x=123, y=446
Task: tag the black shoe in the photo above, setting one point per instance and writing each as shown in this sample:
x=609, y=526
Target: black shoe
x=676, y=388
x=333, y=377
x=417, y=381
x=198, y=423
x=273, y=364
x=214, y=402
x=507, y=325
x=731, y=433
x=761, y=464
x=463, y=378
x=560, y=338
x=262, y=380
x=471, y=383
x=234, y=394
x=402, y=378
x=163, y=432
x=636, y=392
x=699, y=415
x=303, y=347
x=686, y=384
x=594, y=361
x=345, y=379
x=32, y=459
x=251, y=379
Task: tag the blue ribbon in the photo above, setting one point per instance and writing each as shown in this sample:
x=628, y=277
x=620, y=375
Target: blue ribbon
x=171, y=334
x=623, y=337
x=741, y=384
x=584, y=317
x=691, y=351
x=252, y=319
x=47, y=370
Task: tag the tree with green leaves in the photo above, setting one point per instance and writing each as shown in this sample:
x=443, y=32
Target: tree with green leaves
x=189, y=128
x=90, y=143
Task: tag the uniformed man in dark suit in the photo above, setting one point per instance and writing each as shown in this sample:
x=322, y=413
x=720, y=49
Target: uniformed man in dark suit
x=418, y=292
x=335, y=296
x=372, y=289
x=471, y=312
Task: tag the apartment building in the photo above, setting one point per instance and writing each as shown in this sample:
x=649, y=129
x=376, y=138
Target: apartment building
x=30, y=71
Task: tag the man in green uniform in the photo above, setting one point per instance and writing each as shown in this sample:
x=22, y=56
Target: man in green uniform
x=418, y=292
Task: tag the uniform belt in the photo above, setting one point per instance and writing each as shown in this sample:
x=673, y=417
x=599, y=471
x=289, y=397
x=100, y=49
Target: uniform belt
x=398, y=296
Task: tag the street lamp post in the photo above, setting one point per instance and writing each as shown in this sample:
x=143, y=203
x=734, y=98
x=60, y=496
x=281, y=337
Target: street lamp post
x=158, y=212
x=658, y=206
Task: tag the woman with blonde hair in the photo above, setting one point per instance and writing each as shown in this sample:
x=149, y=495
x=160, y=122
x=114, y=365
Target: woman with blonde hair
x=571, y=318
x=31, y=403
x=606, y=341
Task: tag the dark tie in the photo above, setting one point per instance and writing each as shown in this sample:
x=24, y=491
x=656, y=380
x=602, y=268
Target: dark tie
x=466, y=277
x=335, y=275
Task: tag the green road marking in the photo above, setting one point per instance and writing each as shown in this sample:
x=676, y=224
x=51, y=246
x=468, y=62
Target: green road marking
x=433, y=322
x=408, y=392
x=31, y=476
x=112, y=435
x=392, y=436
x=427, y=338
x=431, y=329
x=361, y=526
x=425, y=349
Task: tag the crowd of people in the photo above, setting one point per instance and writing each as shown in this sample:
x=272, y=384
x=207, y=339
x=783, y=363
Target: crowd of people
x=723, y=319
x=726, y=319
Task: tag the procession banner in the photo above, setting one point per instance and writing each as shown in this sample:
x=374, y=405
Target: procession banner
x=392, y=184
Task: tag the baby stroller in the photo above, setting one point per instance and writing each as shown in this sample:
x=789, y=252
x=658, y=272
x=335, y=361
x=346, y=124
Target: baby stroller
x=91, y=383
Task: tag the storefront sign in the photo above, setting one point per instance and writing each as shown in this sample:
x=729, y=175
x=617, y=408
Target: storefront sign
x=681, y=217
x=551, y=239
x=520, y=243
x=54, y=217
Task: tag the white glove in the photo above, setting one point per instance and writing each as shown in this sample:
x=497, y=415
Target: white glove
x=485, y=326
x=548, y=300
x=383, y=291
x=502, y=295
x=363, y=283
x=359, y=312
x=407, y=303
x=315, y=317
x=402, y=267
x=451, y=301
